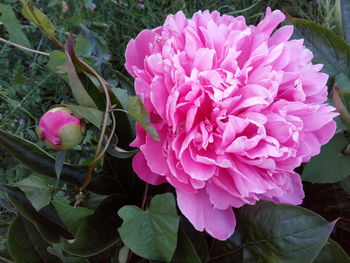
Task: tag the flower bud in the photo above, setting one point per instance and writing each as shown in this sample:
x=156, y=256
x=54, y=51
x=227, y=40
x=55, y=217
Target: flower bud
x=59, y=129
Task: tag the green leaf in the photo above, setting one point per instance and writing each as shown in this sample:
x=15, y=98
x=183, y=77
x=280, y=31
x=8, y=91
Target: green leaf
x=327, y=48
x=79, y=92
x=331, y=165
x=185, y=251
x=83, y=47
x=274, y=233
x=342, y=18
x=332, y=252
x=71, y=216
x=57, y=62
x=26, y=245
x=34, y=15
x=135, y=108
x=60, y=158
x=13, y=27
x=57, y=250
x=120, y=153
x=90, y=114
x=42, y=163
x=151, y=234
x=345, y=183
x=36, y=190
x=46, y=220
x=343, y=82
x=99, y=231
x=341, y=101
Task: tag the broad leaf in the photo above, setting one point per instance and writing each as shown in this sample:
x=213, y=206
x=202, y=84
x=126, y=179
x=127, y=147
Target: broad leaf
x=99, y=231
x=42, y=163
x=332, y=252
x=90, y=114
x=26, y=245
x=57, y=62
x=60, y=158
x=151, y=234
x=79, y=92
x=120, y=153
x=274, y=233
x=38, y=18
x=13, y=27
x=46, y=220
x=341, y=98
x=36, y=190
x=342, y=17
x=135, y=108
x=327, y=48
x=83, y=47
x=71, y=216
x=331, y=165
x=185, y=251
x=346, y=184
x=57, y=250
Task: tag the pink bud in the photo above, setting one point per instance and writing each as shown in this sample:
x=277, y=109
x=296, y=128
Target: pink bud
x=59, y=129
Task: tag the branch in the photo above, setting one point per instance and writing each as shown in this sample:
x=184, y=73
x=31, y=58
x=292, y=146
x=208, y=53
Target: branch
x=24, y=48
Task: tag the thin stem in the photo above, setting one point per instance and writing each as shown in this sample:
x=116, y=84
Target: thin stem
x=57, y=42
x=99, y=153
x=24, y=48
x=144, y=197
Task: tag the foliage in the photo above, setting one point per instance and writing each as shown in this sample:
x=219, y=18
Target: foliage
x=98, y=210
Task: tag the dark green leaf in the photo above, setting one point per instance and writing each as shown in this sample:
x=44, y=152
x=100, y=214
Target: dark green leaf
x=327, y=48
x=60, y=158
x=125, y=83
x=13, y=27
x=135, y=108
x=46, y=220
x=57, y=250
x=57, y=62
x=36, y=190
x=99, y=231
x=342, y=17
x=185, y=252
x=26, y=244
x=122, y=96
x=71, y=216
x=120, y=153
x=331, y=165
x=99, y=51
x=151, y=234
x=345, y=183
x=79, y=92
x=332, y=253
x=274, y=233
x=90, y=114
x=42, y=163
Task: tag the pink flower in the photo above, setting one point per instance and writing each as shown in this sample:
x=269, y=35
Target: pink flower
x=237, y=109
x=60, y=130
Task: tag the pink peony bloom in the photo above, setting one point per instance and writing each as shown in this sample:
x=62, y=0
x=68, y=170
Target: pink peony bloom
x=237, y=109
x=60, y=130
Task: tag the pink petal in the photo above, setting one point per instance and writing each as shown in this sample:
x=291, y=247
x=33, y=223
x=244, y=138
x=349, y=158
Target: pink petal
x=141, y=168
x=220, y=224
